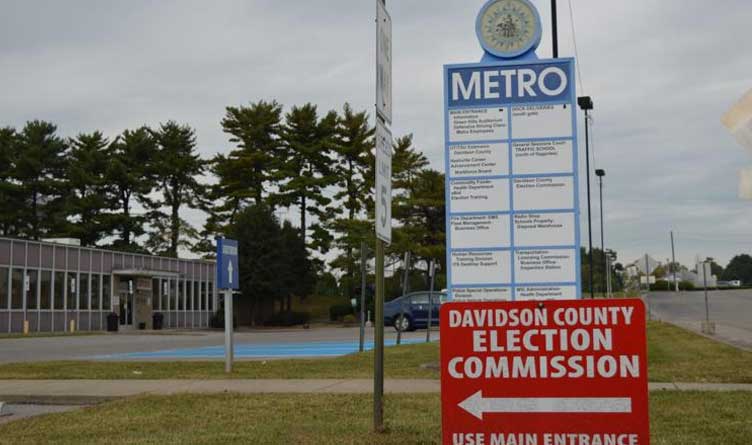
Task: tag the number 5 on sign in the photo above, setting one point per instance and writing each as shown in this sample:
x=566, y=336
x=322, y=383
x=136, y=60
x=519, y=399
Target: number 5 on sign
x=383, y=183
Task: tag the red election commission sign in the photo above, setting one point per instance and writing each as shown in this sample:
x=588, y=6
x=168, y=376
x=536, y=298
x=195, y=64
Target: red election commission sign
x=544, y=373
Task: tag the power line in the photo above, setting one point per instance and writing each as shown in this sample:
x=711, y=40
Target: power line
x=576, y=53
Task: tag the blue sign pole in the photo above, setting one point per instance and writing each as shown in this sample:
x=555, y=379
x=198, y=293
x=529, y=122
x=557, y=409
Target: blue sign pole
x=228, y=279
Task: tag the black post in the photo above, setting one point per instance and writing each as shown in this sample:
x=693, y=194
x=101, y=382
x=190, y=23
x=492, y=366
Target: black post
x=601, y=173
x=554, y=29
x=586, y=103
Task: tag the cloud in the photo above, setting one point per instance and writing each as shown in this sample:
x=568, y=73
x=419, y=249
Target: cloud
x=661, y=74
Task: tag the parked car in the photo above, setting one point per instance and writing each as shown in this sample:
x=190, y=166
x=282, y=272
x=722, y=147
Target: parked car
x=410, y=312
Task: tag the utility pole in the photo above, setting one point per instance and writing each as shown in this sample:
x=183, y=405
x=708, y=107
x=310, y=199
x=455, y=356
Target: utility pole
x=601, y=173
x=608, y=276
x=673, y=263
x=432, y=273
x=362, y=296
x=405, y=289
x=647, y=283
x=554, y=30
x=586, y=104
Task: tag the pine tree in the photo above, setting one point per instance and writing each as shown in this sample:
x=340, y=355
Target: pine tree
x=177, y=168
x=10, y=190
x=40, y=172
x=87, y=202
x=130, y=178
x=305, y=169
x=354, y=173
x=243, y=174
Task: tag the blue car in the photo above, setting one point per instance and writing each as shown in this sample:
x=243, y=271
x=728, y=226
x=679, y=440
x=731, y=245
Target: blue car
x=410, y=312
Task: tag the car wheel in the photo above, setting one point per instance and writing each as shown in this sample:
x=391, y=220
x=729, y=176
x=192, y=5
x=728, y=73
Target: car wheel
x=403, y=323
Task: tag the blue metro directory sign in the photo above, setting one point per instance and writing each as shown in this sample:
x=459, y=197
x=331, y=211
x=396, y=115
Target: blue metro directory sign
x=228, y=276
x=511, y=184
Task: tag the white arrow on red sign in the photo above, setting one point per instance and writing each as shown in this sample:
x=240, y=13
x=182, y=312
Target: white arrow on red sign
x=477, y=405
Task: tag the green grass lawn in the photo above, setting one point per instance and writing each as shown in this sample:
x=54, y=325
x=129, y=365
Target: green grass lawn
x=676, y=419
x=675, y=355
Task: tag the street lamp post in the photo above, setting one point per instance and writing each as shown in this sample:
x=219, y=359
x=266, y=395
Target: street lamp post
x=586, y=104
x=601, y=173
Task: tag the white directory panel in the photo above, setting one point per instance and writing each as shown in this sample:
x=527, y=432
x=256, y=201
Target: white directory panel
x=544, y=192
x=482, y=293
x=544, y=229
x=479, y=195
x=542, y=121
x=542, y=157
x=544, y=265
x=472, y=160
x=477, y=231
x=511, y=162
x=480, y=267
x=478, y=124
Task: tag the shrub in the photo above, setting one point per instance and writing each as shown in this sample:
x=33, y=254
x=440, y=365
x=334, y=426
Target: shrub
x=660, y=285
x=288, y=319
x=349, y=319
x=686, y=285
x=338, y=311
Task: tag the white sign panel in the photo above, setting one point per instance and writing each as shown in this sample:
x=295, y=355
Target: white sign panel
x=383, y=183
x=383, y=62
x=511, y=162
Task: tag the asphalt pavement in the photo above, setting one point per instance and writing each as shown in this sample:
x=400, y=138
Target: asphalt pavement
x=730, y=310
x=196, y=345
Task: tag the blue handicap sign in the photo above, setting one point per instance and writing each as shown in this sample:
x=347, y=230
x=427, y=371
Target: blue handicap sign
x=228, y=276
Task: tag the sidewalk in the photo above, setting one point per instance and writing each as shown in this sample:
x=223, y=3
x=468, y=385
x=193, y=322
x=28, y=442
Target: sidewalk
x=74, y=389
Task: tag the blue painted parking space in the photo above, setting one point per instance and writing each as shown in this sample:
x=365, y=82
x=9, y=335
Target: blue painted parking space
x=250, y=351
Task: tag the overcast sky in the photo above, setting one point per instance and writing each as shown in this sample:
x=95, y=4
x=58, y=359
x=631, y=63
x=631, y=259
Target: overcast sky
x=661, y=74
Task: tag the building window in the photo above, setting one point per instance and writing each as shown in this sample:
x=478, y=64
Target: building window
x=45, y=296
x=165, y=295
x=196, y=295
x=30, y=289
x=180, y=295
x=211, y=296
x=72, y=290
x=173, y=295
x=106, y=292
x=156, y=300
x=203, y=295
x=83, y=291
x=59, y=297
x=189, y=295
x=95, y=289
x=17, y=289
x=4, y=278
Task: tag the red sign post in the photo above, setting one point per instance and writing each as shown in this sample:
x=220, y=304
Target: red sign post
x=544, y=373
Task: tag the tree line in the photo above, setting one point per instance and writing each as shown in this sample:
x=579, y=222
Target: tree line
x=130, y=191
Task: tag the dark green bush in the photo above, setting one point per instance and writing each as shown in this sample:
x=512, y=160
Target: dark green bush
x=288, y=319
x=338, y=311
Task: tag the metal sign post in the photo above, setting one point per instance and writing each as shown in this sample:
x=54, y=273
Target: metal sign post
x=383, y=196
x=405, y=288
x=228, y=279
x=432, y=273
x=362, y=296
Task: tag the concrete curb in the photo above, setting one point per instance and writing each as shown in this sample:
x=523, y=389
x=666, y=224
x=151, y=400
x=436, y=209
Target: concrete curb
x=80, y=391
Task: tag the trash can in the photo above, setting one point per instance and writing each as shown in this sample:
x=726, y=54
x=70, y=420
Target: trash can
x=112, y=322
x=142, y=326
x=157, y=320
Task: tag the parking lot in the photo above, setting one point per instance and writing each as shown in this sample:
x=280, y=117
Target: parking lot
x=197, y=345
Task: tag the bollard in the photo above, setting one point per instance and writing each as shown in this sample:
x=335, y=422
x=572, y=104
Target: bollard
x=72, y=327
x=26, y=327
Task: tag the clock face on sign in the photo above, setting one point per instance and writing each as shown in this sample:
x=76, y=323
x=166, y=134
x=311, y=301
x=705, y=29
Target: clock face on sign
x=508, y=28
